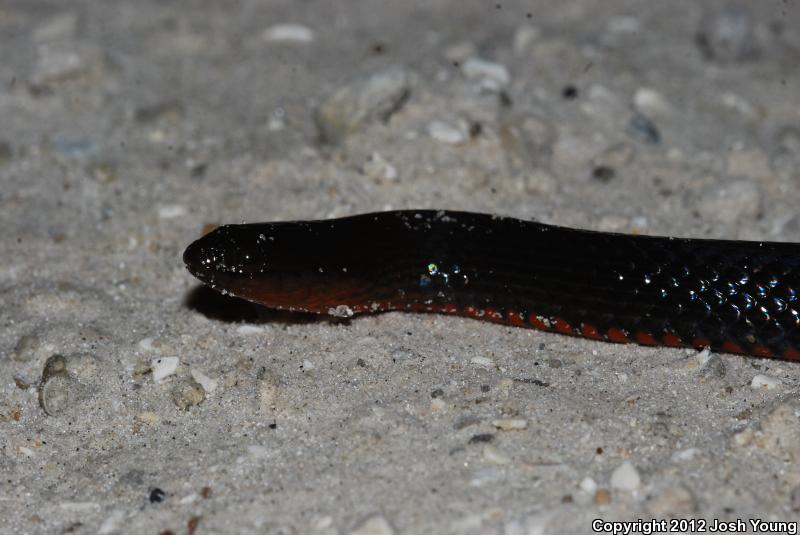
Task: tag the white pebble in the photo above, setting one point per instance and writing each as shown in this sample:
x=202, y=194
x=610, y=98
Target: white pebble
x=649, y=101
x=341, y=311
x=249, y=329
x=190, y=498
x=27, y=452
x=495, y=455
x=164, y=367
x=703, y=356
x=208, y=384
x=171, y=211
x=510, y=424
x=588, y=485
x=484, y=362
x=625, y=477
x=289, y=33
x=479, y=68
x=308, y=365
x=686, y=455
x=765, y=382
x=376, y=525
x=445, y=133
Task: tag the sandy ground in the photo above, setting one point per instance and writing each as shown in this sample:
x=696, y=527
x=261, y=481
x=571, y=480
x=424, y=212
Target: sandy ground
x=134, y=401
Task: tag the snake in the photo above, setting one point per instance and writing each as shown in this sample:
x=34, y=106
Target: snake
x=725, y=295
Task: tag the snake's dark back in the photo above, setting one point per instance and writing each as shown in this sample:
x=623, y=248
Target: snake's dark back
x=732, y=296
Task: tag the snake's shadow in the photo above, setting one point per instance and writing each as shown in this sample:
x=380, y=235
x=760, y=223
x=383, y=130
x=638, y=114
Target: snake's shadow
x=228, y=309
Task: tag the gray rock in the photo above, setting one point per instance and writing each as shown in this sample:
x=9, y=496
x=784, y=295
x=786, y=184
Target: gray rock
x=58, y=390
x=187, y=394
x=368, y=100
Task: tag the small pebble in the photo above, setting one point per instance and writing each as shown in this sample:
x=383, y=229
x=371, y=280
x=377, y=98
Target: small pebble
x=650, y=102
x=643, y=129
x=187, y=394
x=625, y=477
x=438, y=405
x=368, y=100
x=686, y=455
x=189, y=499
x=483, y=362
x=728, y=35
x=171, y=211
x=57, y=390
x=149, y=418
x=288, y=33
x=208, y=384
x=602, y=497
x=495, y=455
x=157, y=495
x=481, y=438
x=445, y=133
x=510, y=424
x=614, y=157
x=588, y=485
x=765, y=382
x=492, y=75
x=164, y=367
x=375, y=525
x=713, y=366
x=26, y=347
x=249, y=329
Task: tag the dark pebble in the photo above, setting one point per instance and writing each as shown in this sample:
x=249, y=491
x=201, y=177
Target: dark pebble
x=481, y=438
x=570, y=92
x=644, y=129
x=437, y=393
x=157, y=495
x=603, y=173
